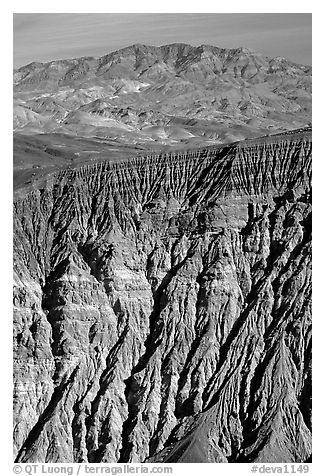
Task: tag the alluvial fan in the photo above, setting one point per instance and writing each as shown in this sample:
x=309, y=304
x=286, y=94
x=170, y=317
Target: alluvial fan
x=162, y=308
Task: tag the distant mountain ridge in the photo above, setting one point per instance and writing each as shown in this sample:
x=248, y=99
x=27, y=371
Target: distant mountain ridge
x=180, y=55
x=166, y=94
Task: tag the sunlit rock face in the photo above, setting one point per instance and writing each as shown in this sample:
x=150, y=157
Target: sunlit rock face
x=162, y=308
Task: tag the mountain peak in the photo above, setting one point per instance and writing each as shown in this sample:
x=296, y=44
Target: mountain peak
x=166, y=94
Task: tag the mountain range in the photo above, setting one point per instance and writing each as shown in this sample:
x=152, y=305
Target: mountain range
x=173, y=95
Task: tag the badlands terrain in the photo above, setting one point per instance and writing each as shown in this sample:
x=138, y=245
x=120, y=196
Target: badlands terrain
x=162, y=258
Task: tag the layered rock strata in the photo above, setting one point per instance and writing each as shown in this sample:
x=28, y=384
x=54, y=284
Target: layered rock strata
x=162, y=308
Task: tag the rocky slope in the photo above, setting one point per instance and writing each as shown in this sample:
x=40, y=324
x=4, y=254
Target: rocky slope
x=162, y=308
x=167, y=95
